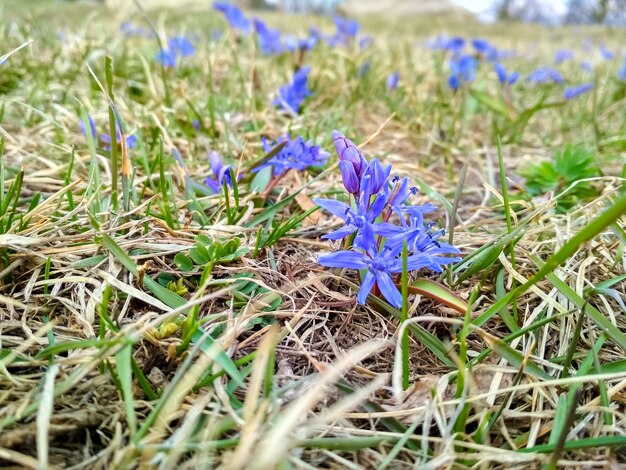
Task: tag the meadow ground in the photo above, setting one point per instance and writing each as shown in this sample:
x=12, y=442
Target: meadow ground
x=150, y=318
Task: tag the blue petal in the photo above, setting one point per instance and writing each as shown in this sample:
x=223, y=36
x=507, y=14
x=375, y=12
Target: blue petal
x=388, y=289
x=344, y=259
x=337, y=208
x=365, y=239
x=366, y=287
x=386, y=229
x=340, y=233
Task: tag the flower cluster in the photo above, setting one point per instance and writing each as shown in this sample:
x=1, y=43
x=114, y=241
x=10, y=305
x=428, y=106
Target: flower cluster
x=178, y=46
x=379, y=224
x=462, y=70
x=291, y=96
x=273, y=42
x=574, y=92
x=545, y=75
x=221, y=173
x=295, y=155
x=235, y=17
x=504, y=77
x=131, y=140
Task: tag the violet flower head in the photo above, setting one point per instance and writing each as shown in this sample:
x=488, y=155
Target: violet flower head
x=290, y=43
x=221, y=173
x=352, y=164
x=360, y=220
x=606, y=53
x=587, y=66
x=306, y=44
x=92, y=127
x=455, y=45
x=393, y=80
x=504, y=77
x=167, y=58
x=269, y=39
x=381, y=263
x=365, y=42
x=347, y=28
x=131, y=140
x=485, y=49
x=235, y=17
x=545, y=75
x=377, y=241
x=574, y=92
x=562, y=55
x=291, y=96
x=295, y=155
x=181, y=46
x=462, y=70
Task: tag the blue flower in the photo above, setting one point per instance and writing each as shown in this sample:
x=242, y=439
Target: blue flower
x=346, y=28
x=361, y=220
x=365, y=42
x=484, y=48
x=381, y=263
x=607, y=54
x=455, y=45
x=295, y=155
x=399, y=195
x=574, y=92
x=131, y=140
x=221, y=173
x=306, y=44
x=503, y=77
x=392, y=81
x=462, y=70
x=587, y=66
x=167, y=57
x=562, y=55
x=181, y=46
x=292, y=95
x=544, y=75
x=290, y=43
x=420, y=238
x=234, y=16
x=129, y=29
x=176, y=46
x=269, y=39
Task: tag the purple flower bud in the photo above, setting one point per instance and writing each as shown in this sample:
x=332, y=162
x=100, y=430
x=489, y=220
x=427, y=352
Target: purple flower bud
x=349, y=177
x=378, y=175
x=216, y=162
x=349, y=152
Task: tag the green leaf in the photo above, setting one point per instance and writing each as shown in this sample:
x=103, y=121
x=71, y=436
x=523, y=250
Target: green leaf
x=183, y=262
x=515, y=357
x=495, y=105
x=261, y=180
x=438, y=292
x=125, y=375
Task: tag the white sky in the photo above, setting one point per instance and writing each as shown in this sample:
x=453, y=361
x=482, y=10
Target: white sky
x=484, y=6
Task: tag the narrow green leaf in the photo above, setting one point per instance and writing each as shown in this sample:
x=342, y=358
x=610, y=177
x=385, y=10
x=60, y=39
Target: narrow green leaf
x=125, y=375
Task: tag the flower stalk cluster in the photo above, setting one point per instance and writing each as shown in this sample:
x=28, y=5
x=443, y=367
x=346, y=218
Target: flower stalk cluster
x=379, y=223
